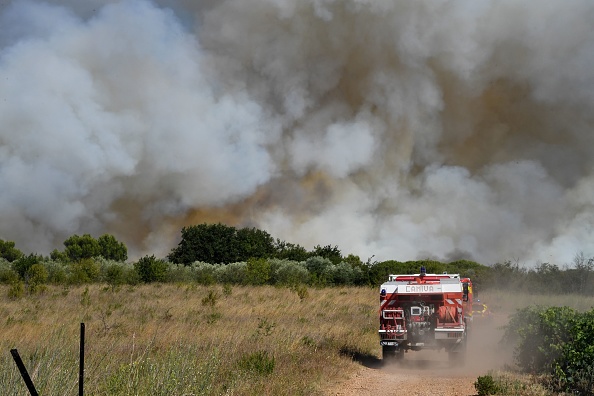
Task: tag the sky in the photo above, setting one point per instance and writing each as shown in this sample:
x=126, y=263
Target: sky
x=395, y=130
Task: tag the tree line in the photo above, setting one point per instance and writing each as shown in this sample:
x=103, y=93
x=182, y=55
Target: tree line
x=218, y=253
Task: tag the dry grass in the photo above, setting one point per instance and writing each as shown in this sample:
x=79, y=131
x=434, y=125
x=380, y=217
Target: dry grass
x=507, y=302
x=186, y=339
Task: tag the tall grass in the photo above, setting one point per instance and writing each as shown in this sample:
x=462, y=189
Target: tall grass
x=186, y=339
x=506, y=302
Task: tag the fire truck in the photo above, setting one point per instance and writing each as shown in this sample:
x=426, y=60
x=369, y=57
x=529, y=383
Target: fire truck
x=425, y=311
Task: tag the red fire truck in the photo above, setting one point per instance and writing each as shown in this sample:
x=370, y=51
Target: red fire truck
x=425, y=311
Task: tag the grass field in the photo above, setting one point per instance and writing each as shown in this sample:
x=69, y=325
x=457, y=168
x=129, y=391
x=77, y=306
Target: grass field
x=165, y=339
x=186, y=339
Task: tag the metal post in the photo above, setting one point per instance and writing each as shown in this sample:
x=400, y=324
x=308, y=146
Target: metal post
x=24, y=373
x=82, y=360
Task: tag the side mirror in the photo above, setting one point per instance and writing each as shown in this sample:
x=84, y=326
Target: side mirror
x=464, y=291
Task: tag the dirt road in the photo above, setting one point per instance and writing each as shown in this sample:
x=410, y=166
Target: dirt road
x=429, y=373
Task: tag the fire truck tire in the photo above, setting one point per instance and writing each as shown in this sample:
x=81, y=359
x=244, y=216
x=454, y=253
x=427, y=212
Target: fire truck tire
x=392, y=353
x=458, y=355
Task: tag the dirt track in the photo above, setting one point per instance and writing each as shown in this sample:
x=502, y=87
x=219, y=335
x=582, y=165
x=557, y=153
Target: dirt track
x=430, y=372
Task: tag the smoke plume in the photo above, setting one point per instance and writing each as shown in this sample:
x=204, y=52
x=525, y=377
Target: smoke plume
x=394, y=129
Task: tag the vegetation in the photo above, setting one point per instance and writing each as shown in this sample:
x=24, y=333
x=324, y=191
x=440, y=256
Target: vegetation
x=217, y=253
x=219, y=243
x=557, y=342
x=8, y=251
x=175, y=339
x=553, y=342
x=508, y=383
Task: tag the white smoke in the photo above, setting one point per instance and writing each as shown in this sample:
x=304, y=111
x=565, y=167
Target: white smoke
x=404, y=130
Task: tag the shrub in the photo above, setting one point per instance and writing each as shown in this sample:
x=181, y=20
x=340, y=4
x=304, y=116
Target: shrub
x=234, y=273
x=179, y=273
x=539, y=334
x=318, y=269
x=210, y=299
x=16, y=290
x=57, y=271
x=288, y=273
x=83, y=271
x=258, y=362
x=558, y=342
x=486, y=385
x=114, y=275
x=151, y=269
x=574, y=369
x=301, y=291
x=340, y=274
x=257, y=271
x=22, y=264
x=7, y=274
x=36, y=278
x=204, y=273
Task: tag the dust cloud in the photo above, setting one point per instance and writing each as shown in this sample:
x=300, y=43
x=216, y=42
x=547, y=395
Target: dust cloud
x=485, y=352
x=399, y=130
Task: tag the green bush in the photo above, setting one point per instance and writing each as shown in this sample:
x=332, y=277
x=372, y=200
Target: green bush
x=23, y=263
x=204, y=273
x=36, y=278
x=210, y=299
x=574, y=369
x=555, y=341
x=114, y=275
x=84, y=271
x=151, y=269
x=257, y=271
x=318, y=270
x=301, y=291
x=234, y=273
x=17, y=289
x=486, y=385
x=539, y=334
x=57, y=271
x=179, y=273
x=339, y=274
x=288, y=273
x=7, y=274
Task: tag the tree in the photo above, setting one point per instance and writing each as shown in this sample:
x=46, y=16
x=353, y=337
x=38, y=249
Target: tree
x=221, y=244
x=331, y=253
x=111, y=249
x=289, y=251
x=253, y=243
x=57, y=255
x=24, y=263
x=9, y=252
x=81, y=247
x=209, y=243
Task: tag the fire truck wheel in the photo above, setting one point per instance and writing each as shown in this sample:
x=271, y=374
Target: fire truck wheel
x=392, y=353
x=458, y=355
